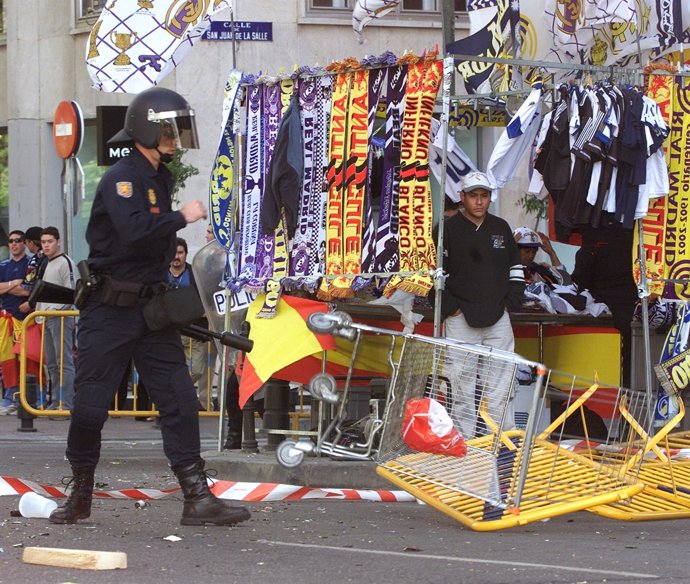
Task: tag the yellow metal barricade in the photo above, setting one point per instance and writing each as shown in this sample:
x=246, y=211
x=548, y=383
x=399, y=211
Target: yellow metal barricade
x=34, y=351
x=508, y=476
x=665, y=472
x=126, y=403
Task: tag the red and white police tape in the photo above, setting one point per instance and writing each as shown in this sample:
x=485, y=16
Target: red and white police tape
x=252, y=492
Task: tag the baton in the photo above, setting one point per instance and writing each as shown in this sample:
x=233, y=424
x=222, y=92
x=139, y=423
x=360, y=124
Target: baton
x=228, y=339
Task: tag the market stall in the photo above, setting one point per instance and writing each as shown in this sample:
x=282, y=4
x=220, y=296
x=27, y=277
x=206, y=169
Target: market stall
x=321, y=151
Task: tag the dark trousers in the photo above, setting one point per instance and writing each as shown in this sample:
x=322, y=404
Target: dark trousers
x=109, y=336
x=232, y=406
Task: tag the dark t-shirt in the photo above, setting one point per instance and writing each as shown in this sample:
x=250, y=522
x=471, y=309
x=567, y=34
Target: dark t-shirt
x=13, y=270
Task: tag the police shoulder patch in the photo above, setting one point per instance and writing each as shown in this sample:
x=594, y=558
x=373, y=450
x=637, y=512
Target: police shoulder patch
x=124, y=189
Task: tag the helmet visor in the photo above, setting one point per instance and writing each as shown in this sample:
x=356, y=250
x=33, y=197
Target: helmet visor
x=180, y=126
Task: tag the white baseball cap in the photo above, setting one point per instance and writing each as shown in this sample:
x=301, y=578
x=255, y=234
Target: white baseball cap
x=476, y=180
x=526, y=237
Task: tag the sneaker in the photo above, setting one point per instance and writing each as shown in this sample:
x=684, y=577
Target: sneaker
x=8, y=410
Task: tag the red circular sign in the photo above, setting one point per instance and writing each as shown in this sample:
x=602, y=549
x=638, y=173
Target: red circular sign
x=68, y=129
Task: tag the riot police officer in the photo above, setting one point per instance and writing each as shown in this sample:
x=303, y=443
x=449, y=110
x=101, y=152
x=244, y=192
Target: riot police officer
x=131, y=235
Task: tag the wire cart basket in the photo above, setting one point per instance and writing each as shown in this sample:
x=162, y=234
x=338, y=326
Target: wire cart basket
x=342, y=438
x=516, y=469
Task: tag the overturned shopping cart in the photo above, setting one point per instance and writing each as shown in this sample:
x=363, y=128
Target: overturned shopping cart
x=508, y=475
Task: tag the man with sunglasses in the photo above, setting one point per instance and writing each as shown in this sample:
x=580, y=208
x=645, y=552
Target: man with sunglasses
x=12, y=295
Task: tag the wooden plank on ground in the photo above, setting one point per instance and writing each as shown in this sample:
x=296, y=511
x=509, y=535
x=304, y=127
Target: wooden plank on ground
x=82, y=559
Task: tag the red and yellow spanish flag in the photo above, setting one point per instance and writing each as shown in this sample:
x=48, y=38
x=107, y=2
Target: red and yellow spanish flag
x=279, y=341
x=11, y=345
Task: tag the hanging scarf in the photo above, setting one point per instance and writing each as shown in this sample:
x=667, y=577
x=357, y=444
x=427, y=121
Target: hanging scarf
x=271, y=121
x=377, y=79
x=317, y=250
x=309, y=98
x=280, y=257
x=417, y=251
x=355, y=182
x=336, y=181
x=387, y=258
x=252, y=189
x=222, y=200
x=355, y=171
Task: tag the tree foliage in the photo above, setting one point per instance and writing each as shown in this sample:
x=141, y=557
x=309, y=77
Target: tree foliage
x=533, y=205
x=181, y=172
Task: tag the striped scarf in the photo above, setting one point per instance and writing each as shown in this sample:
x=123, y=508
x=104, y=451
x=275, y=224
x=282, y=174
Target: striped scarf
x=335, y=177
x=377, y=78
x=305, y=246
x=250, y=204
x=387, y=258
x=271, y=122
x=280, y=263
x=417, y=251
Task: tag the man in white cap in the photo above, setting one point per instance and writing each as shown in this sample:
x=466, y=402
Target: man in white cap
x=485, y=280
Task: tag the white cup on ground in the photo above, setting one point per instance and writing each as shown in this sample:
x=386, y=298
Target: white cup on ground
x=35, y=505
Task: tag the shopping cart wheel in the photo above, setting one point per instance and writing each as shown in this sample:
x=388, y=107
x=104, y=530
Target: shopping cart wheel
x=321, y=322
x=323, y=386
x=325, y=323
x=289, y=455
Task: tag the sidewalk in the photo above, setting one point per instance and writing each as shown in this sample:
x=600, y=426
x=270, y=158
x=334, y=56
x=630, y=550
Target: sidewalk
x=235, y=465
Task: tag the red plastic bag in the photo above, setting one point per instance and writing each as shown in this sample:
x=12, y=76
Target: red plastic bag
x=427, y=427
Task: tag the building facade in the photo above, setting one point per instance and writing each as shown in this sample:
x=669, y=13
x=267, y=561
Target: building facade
x=42, y=62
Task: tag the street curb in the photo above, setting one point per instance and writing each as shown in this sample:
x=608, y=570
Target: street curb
x=313, y=472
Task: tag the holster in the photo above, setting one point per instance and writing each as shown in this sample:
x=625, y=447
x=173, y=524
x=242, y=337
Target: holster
x=173, y=308
x=85, y=285
x=121, y=293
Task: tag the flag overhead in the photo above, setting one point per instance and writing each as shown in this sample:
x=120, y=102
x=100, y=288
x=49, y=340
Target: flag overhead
x=367, y=10
x=136, y=43
x=608, y=32
x=279, y=341
x=493, y=33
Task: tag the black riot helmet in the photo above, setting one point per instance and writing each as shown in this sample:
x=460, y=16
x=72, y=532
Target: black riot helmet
x=157, y=112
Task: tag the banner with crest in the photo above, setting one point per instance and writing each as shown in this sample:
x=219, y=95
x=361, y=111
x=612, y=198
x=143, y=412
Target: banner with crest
x=136, y=43
x=494, y=32
x=608, y=32
x=222, y=203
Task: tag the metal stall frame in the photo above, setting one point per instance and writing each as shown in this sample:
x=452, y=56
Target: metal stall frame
x=449, y=70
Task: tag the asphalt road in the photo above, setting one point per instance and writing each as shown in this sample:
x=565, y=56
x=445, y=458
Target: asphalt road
x=307, y=541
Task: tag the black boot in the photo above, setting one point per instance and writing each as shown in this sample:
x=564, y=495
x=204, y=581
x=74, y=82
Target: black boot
x=233, y=441
x=200, y=505
x=78, y=505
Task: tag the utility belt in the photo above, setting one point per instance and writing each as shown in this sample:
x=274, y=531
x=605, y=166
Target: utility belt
x=164, y=307
x=126, y=294
x=123, y=293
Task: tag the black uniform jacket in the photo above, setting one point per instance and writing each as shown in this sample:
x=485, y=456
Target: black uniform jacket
x=132, y=229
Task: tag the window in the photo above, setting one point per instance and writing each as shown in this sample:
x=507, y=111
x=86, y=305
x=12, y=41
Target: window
x=87, y=9
x=405, y=8
x=92, y=174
